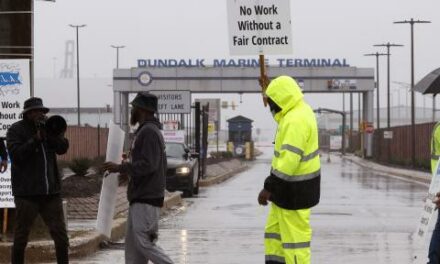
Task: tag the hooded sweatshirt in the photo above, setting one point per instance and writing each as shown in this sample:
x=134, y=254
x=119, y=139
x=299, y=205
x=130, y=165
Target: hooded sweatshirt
x=147, y=166
x=294, y=182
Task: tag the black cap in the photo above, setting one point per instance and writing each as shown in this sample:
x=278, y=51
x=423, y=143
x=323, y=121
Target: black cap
x=34, y=103
x=146, y=101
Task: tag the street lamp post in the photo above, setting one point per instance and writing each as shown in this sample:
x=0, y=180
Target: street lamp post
x=117, y=54
x=77, y=69
x=377, y=54
x=411, y=22
x=388, y=46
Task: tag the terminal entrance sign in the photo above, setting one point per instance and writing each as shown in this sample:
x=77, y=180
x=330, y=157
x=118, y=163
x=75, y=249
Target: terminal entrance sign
x=259, y=27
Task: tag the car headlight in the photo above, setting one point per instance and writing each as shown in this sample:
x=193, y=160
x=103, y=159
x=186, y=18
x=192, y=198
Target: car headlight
x=182, y=171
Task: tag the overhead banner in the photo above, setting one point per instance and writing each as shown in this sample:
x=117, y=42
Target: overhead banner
x=14, y=90
x=259, y=27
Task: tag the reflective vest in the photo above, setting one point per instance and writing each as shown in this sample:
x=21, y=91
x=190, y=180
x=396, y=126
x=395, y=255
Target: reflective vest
x=296, y=168
x=435, y=147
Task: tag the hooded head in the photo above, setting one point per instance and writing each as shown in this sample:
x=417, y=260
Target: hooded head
x=283, y=94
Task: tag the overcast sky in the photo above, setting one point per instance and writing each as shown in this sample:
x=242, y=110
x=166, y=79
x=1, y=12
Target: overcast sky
x=198, y=29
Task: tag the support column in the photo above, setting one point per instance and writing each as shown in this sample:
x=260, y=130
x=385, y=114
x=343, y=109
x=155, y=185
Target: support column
x=125, y=117
x=117, y=108
x=350, y=133
x=368, y=116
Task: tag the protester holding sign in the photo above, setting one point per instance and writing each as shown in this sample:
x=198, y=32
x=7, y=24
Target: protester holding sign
x=36, y=181
x=293, y=186
x=146, y=189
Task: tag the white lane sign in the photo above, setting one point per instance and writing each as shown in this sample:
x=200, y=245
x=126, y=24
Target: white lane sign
x=173, y=102
x=259, y=27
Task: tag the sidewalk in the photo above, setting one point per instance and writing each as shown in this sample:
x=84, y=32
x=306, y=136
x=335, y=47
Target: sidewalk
x=419, y=176
x=84, y=240
x=220, y=172
x=82, y=212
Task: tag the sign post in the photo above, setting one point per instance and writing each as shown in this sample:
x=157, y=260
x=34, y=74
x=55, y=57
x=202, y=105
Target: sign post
x=259, y=27
x=5, y=221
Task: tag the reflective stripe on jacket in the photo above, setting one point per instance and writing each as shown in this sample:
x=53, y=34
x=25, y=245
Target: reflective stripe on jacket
x=296, y=169
x=435, y=147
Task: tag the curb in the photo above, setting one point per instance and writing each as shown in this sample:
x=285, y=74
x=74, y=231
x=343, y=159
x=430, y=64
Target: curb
x=422, y=177
x=81, y=246
x=221, y=178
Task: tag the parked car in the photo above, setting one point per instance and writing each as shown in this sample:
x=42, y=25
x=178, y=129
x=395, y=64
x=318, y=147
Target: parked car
x=182, y=169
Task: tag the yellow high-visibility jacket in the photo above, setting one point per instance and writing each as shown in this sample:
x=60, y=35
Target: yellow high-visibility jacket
x=435, y=147
x=296, y=169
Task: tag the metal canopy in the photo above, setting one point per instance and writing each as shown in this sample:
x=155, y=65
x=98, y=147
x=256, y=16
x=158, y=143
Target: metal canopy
x=241, y=80
x=430, y=84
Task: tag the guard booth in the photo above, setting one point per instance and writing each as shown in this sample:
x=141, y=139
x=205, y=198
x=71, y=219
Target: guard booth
x=240, y=136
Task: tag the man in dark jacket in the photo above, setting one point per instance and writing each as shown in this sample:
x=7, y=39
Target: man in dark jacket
x=146, y=189
x=36, y=182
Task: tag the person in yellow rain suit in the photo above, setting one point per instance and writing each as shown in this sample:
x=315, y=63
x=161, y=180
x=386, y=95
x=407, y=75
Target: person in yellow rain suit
x=434, y=246
x=293, y=186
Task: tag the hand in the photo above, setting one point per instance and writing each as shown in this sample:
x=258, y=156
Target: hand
x=3, y=166
x=123, y=178
x=264, y=81
x=111, y=167
x=436, y=201
x=40, y=135
x=263, y=197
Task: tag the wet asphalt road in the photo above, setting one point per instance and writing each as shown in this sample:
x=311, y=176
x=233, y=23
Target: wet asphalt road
x=362, y=218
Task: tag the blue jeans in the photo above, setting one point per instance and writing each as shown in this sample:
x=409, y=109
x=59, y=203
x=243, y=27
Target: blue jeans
x=434, y=246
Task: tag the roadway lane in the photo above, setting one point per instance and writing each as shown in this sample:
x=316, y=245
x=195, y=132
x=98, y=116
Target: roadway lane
x=362, y=218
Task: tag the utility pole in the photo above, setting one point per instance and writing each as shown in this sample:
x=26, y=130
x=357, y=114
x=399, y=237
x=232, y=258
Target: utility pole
x=117, y=54
x=377, y=55
x=411, y=22
x=388, y=46
x=77, y=70
x=351, y=123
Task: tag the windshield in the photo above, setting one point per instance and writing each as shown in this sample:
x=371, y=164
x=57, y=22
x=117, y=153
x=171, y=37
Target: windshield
x=175, y=150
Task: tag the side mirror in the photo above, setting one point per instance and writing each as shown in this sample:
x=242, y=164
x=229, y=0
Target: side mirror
x=187, y=150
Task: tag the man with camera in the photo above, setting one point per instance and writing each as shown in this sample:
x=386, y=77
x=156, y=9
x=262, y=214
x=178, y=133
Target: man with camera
x=36, y=182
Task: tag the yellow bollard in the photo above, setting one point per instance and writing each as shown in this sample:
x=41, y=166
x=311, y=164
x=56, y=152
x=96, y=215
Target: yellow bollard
x=231, y=146
x=247, y=146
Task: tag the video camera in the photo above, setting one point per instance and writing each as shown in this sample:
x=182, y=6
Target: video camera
x=54, y=126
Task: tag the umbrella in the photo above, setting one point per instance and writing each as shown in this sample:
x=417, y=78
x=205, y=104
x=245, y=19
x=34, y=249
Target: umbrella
x=430, y=84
